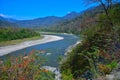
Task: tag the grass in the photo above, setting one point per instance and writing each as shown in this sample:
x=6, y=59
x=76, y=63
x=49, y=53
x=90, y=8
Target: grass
x=13, y=42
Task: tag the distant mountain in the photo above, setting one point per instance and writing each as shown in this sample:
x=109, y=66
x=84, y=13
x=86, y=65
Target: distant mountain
x=71, y=15
x=46, y=21
x=1, y=18
x=4, y=23
x=7, y=19
x=39, y=22
x=69, y=21
x=86, y=19
x=7, y=22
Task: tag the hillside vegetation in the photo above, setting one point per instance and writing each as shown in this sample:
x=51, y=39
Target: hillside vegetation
x=86, y=19
x=98, y=53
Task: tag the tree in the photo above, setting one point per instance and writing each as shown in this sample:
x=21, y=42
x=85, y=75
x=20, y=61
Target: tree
x=106, y=4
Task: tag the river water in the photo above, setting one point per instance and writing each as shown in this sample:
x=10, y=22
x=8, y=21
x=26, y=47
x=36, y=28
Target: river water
x=52, y=50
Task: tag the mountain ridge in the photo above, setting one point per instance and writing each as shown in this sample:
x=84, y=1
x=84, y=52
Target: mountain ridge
x=54, y=21
x=42, y=21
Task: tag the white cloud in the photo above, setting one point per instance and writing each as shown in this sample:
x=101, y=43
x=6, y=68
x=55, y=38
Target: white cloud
x=68, y=12
x=5, y=16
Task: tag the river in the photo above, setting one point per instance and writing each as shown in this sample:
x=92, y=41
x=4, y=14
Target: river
x=53, y=50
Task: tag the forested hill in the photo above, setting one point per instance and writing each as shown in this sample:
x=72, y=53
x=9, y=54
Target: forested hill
x=97, y=57
x=85, y=19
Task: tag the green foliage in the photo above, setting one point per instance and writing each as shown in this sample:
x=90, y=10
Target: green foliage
x=94, y=52
x=7, y=34
x=104, y=69
x=66, y=75
x=112, y=65
x=75, y=63
x=114, y=14
x=44, y=75
x=90, y=31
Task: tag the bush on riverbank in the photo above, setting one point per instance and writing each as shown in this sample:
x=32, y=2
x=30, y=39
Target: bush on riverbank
x=98, y=54
x=24, y=68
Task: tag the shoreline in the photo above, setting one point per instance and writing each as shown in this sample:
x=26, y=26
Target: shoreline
x=47, y=38
x=69, y=49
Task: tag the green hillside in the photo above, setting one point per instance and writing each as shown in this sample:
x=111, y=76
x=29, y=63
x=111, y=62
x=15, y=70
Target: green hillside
x=86, y=19
x=98, y=53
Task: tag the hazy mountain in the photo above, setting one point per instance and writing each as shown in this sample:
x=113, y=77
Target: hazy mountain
x=72, y=19
x=7, y=22
x=7, y=19
x=39, y=22
x=85, y=19
x=71, y=15
x=46, y=21
x=1, y=18
x=4, y=23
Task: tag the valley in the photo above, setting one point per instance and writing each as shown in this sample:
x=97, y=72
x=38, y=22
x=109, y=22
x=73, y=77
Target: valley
x=79, y=45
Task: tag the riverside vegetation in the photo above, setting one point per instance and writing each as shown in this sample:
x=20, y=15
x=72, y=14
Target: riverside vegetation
x=24, y=68
x=98, y=53
x=11, y=35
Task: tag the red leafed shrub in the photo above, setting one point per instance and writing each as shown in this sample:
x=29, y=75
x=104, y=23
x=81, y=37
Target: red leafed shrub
x=21, y=68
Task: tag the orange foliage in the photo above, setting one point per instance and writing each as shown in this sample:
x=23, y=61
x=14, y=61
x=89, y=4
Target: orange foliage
x=104, y=69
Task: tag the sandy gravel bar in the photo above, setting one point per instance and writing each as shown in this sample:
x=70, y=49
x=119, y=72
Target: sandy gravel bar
x=47, y=38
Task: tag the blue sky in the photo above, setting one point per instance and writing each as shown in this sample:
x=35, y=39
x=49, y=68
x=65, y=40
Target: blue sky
x=30, y=9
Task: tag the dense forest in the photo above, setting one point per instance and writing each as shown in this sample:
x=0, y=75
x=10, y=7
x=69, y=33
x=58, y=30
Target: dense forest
x=10, y=33
x=98, y=53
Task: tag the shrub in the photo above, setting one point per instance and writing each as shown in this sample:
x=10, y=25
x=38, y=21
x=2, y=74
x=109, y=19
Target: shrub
x=24, y=68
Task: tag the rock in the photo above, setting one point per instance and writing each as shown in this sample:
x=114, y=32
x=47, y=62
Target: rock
x=25, y=57
x=1, y=62
x=48, y=54
x=54, y=70
x=117, y=76
x=110, y=77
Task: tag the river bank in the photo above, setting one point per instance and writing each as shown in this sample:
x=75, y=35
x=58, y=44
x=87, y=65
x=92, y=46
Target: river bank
x=47, y=38
x=69, y=49
x=18, y=41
